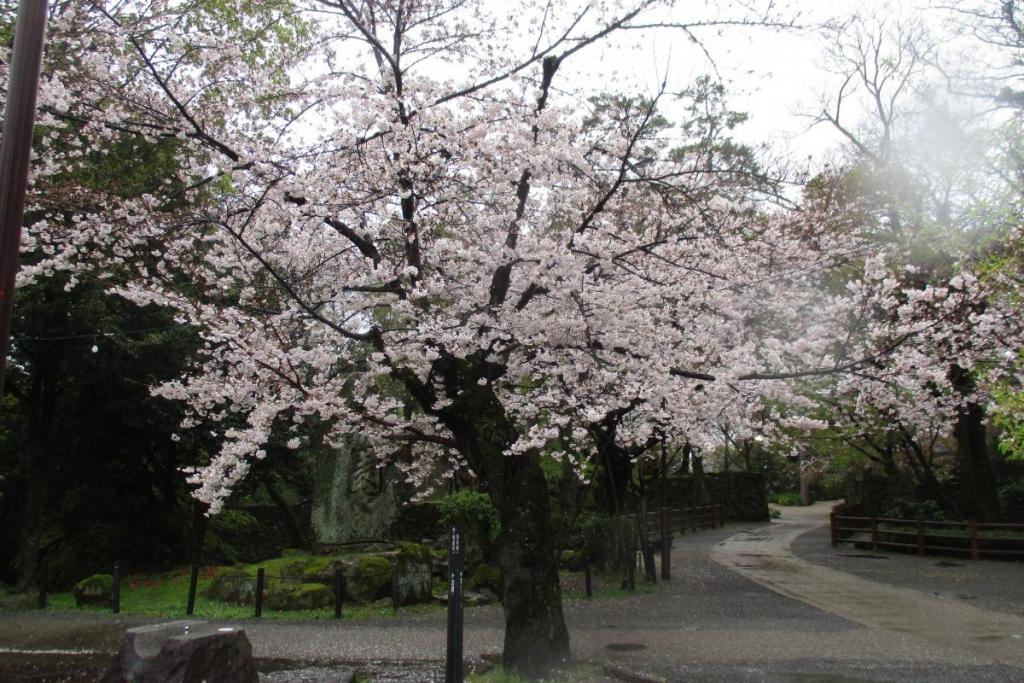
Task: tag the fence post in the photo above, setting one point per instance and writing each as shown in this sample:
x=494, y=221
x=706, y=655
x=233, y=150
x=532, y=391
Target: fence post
x=456, y=557
x=116, y=597
x=396, y=599
x=920, y=536
x=260, y=578
x=193, y=580
x=975, y=543
x=587, y=579
x=719, y=517
x=833, y=529
x=631, y=569
x=666, y=547
x=44, y=562
x=339, y=589
x=874, y=533
x=693, y=518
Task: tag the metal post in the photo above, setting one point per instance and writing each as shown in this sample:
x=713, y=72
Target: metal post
x=833, y=529
x=666, y=547
x=44, y=568
x=15, y=151
x=260, y=578
x=920, y=536
x=116, y=598
x=192, y=582
x=339, y=589
x=396, y=599
x=874, y=533
x=456, y=558
x=587, y=579
x=975, y=543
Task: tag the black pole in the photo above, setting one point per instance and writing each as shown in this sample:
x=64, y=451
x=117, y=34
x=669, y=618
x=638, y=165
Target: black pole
x=631, y=568
x=396, y=599
x=192, y=583
x=588, y=580
x=260, y=577
x=117, y=588
x=15, y=151
x=44, y=562
x=456, y=557
x=339, y=589
x=666, y=546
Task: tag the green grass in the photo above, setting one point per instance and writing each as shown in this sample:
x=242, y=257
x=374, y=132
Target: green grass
x=165, y=594
x=605, y=586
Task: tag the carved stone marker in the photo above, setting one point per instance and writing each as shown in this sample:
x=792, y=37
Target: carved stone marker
x=183, y=652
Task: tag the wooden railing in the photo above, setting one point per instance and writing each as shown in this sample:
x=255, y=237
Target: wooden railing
x=679, y=519
x=996, y=540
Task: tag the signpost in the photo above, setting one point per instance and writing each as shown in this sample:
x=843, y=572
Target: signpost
x=456, y=562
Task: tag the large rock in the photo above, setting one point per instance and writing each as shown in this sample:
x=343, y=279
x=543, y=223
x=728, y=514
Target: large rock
x=369, y=578
x=414, y=565
x=355, y=500
x=233, y=585
x=183, y=652
x=96, y=590
x=296, y=596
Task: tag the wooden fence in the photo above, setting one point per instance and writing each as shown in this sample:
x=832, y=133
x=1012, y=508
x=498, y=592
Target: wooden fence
x=678, y=519
x=972, y=538
x=655, y=529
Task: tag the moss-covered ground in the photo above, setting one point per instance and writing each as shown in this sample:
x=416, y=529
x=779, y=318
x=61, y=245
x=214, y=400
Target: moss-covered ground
x=165, y=594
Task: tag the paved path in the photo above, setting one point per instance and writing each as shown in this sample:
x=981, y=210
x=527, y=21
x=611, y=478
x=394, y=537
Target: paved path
x=763, y=555
x=739, y=621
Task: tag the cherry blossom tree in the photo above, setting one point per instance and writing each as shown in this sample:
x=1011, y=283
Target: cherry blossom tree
x=398, y=222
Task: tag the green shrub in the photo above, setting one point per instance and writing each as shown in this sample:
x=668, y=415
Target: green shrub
x=594, y=537
x=911, y=508
x=416, y=552
x=472, y=509
x=786, y=498
x=486, y=576
x=475, y=512
x=97, y=589
x=1011, y=498
x=572, y=560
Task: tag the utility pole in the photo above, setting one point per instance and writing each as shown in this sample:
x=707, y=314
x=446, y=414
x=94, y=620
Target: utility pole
x=15, y=151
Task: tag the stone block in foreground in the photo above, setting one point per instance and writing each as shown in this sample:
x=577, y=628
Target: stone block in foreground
x=183, y=652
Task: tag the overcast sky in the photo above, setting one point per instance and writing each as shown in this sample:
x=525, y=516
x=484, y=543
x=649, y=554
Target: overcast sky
x=777, y=76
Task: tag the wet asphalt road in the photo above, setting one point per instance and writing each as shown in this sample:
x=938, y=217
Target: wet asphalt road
x=708, y=624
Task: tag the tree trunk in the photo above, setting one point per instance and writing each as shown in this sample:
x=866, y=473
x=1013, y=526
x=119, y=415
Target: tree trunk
x=805, y=482
x=977, y=479
x=536, y=638
x=299, y=537
x=43, y=410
